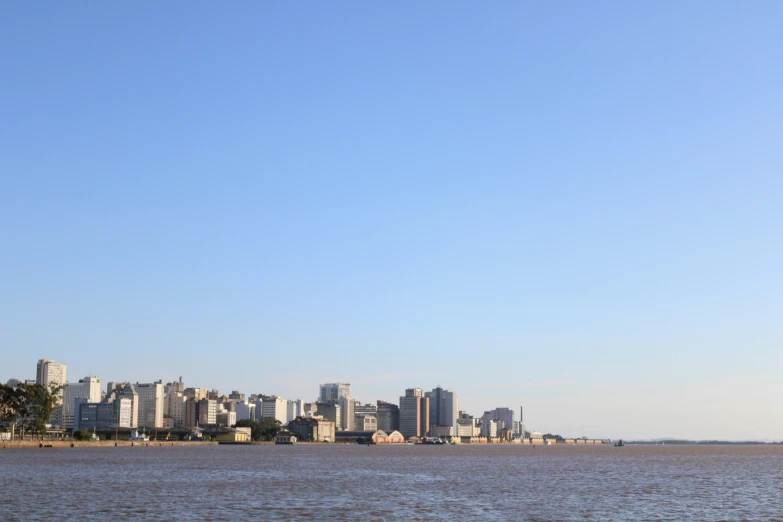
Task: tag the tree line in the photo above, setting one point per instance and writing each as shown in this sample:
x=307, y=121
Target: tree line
x=27, y=407
x=262, y=429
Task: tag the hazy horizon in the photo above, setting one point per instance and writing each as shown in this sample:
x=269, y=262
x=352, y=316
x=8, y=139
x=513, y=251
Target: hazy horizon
x=574, y=208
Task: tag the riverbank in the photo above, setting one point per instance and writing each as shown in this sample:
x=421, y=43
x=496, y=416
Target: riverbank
x=28, y=444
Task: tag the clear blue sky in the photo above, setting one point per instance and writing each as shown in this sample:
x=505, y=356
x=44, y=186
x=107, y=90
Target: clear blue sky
x=573, y=206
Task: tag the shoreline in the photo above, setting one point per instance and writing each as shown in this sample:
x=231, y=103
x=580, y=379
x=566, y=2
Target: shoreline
x=29, y=444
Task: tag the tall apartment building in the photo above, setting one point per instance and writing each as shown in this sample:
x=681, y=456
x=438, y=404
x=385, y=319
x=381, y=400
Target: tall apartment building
x=489, y=428
x=50, y=372
x=388, y=415
x=444, y=409
x=503, y=416
x=196, y=393
x=150, y=404
x=331, y=411
x=274, y=407
x=334, y=391
x=201, y=413
x=88, y=389
x=294, y=409
x=124, y=390
x=414, y=413
x=174, y=409
x=245, y=410
x=347, y=405
x=173, y=387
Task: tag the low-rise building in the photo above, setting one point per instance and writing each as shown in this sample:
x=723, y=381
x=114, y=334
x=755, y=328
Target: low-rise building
x=226, y=418
x=311, y=429
x=92, y=415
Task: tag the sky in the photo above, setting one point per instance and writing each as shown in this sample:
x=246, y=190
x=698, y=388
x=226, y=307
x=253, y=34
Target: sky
x=571, y=206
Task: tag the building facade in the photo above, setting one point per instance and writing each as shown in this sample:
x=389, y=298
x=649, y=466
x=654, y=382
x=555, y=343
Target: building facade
x=331, y=411
x=334, y=391
x=124, y=390
x=444, y=410
x=347, y=413
x=388, y=415
x=414, y=414
x=311, y=429
x=88, y=389
x=151, y=402
x=93, y=415
x=49, y=372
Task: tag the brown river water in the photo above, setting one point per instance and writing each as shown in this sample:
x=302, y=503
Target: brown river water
x=334, y=482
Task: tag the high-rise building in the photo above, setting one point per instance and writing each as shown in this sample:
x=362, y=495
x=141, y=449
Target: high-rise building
x=347, y=413
x=196, y=393
x=174, y=409
x=331, y=411
x=207, y=412
x=388, y=416
x=414, y=413
x=444, y=409
x=370, y=409
x=50, y=372
x=150, y=404
x=245, y=410
x=503, y=416
x=334, y=391
x=120, y=390
x=294, y=409
x=176, y=386
x=489, y=428
x=88, y=389
x=200, y=413
x=274, y=407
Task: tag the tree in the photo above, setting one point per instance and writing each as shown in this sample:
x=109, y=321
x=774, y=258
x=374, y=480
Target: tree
x=37, y=405
x=262, y=429
x=82, y=435
x=10, y=405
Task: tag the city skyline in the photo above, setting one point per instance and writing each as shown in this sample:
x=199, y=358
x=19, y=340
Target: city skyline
x=571, y=207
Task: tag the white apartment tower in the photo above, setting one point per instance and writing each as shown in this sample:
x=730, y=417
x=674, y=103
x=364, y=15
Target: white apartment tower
x=50, y=372
x=274, y=407
x=174, y=409
x=151, y=404
x=347, y=405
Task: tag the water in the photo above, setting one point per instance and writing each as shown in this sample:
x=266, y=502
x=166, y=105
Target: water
x=468, y=482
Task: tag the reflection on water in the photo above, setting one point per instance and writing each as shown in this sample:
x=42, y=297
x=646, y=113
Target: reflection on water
x=466, y=482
